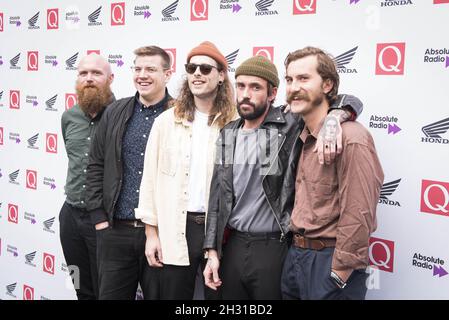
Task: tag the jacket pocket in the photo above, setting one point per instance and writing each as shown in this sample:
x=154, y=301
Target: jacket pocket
x=168, y=161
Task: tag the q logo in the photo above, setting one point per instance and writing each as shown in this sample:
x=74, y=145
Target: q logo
x=199, y=10
x=390, y=58
x=304, y=6
x=52, y=19
x=31, y=179
x=28, y=292
x=93, y=51
x=33, y=60
x=52, y=143
x=14, y=99
x=48, y=263
x=13, y=213
x=381, y=254
x=435, y=197
x=117, y=14
x=267, y=52
x=1, y=136
x=70, y=100
x=1, y=21
x=172, y=54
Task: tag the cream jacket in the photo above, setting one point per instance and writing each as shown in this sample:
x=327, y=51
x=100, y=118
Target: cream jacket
x=163, y=196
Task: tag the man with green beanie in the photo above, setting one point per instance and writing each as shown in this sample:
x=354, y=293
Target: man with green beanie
x=252, y=189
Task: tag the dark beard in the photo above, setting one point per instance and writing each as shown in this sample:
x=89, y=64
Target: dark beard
x=259, y=110
x=93, y=99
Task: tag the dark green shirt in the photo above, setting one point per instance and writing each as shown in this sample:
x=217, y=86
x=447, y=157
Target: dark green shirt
x=78, y=130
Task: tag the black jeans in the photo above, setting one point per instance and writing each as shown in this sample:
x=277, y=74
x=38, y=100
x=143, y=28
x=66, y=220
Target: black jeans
x=306, y=276
x=79, y=246
x=251, y=267
x=122, y=264
x=178, y=282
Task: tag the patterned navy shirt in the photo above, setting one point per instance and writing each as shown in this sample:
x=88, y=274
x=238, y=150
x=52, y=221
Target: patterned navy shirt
x=133, y=153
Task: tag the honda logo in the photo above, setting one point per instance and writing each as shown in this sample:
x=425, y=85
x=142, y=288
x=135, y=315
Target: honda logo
x=70, y=100
x=52, y=143
x=48, y=263
x=52, y=19
x=118, y=14
x=390, y=58
x=33, y=60
x=28, y=292
x=435, y=197
x=31, y=179
x=172, y=54
x=14, y=99
x=199, y=10
x=13, y=213
x=304, y=6
x=267, y=52
x=381, y=254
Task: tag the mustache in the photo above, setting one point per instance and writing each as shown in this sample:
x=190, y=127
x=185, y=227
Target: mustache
x=300, y=95
x=245, y=101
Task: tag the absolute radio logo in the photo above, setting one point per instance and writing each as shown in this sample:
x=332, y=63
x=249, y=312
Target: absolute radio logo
x=118, y=14
x=199, y=10
x=381, y=254
x=13, y=213
x=93, y=18
x=14, y=61
x=230, y=58
x=50, y=182
x=31, y=179
x=70, y=62
x=15, y=136
x=387, y=190
x=429, y=263
x=233, y=5
x=169, y=11
x=33, y=100
x=437, y=55
x=29, y=258
x=33, y=60
x=28, y=292
x=48, y=224
x=15, y=21
x=143, y=11
x=70, y=100
x=436, y=132
x=395, y=3
x=116, y=58
x=304, y=6
x=12, y=250
x=13, y=177
x=390, y=58
x=51, y=60
x=14, y=99
x=344, y=59
x=52, y=19
x=172, y=54
x=72, y=17
x=51, y=145
x=267, y=52
x=264, y=8
x=50, y=103
x=48, y=263
x=435, y=197
x=32, y=142
x=387, y=123
x=29, y=216
x=33, y=21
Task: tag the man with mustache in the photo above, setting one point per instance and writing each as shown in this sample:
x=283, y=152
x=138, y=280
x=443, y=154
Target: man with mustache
x=252, y=189
x=114, y=174
x=77, y=233
x=334, y=211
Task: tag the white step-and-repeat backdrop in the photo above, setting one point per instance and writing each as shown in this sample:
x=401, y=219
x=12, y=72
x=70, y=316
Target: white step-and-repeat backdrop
x=391, y=53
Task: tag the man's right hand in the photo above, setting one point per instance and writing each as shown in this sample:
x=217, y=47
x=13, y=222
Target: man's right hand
x=102, y=225
x=211, y=278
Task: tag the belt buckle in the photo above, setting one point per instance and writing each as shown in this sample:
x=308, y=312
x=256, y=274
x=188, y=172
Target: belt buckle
x=322, y=244
x=137, y=224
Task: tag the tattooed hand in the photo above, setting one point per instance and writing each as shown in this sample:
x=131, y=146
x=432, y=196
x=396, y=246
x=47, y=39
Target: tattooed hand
x=329, y=142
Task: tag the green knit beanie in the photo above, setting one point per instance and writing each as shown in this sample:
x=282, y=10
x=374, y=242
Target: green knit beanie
x=259, y=66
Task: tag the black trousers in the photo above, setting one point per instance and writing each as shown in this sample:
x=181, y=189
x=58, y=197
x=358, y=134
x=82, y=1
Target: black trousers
x=251, y=267
x=306, y=276
x=122, y=264
x=178, y=282
x=79, y=246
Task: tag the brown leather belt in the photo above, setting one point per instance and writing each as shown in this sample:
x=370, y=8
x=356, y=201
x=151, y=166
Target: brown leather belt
x=130, y=223
x=300, y=241
x=197, y=217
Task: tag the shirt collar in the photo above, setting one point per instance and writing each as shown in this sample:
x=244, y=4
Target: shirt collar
x=160, y=104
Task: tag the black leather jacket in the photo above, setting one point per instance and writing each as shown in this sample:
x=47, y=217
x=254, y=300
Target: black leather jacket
x=105, y=170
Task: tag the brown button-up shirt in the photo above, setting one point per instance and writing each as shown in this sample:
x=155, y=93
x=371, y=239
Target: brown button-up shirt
x=339, y=200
